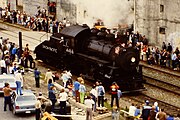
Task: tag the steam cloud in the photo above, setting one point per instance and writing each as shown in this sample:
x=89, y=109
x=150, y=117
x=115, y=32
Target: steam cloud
x=111, y=12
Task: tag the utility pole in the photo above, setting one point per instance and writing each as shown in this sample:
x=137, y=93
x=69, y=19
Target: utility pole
x=47, y=25
x=134, y=16
x=20, y=43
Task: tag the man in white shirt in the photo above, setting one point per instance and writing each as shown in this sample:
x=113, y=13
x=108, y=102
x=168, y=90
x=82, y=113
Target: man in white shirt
x=48, y=76
x=69, y=74
x=63, y=96
x=93, y=93
x=65, y=78
x=89, y=103
x=132, y=109
x=19, y=81
x=3, y=66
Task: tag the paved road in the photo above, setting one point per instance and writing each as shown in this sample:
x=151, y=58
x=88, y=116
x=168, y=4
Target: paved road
x=9, y=116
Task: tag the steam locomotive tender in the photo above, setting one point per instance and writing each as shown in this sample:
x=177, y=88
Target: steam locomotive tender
x=95, y=54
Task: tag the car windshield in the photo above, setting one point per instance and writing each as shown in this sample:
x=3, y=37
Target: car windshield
x=7, y=80
x=26, y=98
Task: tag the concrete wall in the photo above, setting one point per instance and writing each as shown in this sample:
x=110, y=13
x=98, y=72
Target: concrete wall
x=67, y=9
x=31, y=6
x=150, y=19
x=113, y=12
x=3, y=3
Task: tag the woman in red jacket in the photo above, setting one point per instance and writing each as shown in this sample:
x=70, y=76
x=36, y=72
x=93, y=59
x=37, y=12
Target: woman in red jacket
x=114, y=89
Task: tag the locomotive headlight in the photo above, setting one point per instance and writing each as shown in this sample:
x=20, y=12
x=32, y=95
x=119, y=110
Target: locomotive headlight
x=133, y=59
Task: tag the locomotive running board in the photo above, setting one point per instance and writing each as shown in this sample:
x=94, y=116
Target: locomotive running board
x=93, y=58
x=139, y=90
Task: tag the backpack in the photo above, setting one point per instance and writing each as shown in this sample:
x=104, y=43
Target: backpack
x=101, y=91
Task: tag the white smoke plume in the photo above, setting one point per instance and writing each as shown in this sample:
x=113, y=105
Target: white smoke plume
x=111, y=12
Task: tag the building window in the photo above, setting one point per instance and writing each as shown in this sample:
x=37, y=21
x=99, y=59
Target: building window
x=162, y=30
x=161, y=8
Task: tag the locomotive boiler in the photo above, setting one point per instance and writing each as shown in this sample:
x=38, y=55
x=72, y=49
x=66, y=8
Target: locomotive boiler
x=95, y=54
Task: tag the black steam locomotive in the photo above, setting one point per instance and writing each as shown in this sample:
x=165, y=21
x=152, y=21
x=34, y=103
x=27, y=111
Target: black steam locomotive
x=95, y=54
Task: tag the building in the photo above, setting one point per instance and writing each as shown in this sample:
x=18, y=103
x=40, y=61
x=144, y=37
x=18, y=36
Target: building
x=159, y=20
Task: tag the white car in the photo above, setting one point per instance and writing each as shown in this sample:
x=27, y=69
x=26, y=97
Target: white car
x=23, y=103
x=7, y=78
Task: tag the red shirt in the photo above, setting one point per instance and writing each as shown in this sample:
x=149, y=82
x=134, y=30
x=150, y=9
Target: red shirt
x=114, y=89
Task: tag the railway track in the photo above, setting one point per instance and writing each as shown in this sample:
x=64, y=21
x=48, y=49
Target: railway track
x=161, y=70
x=162, y=85
x=170, y=109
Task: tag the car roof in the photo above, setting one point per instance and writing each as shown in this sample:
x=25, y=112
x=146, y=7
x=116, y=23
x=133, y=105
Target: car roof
x=26, y=93
x=4, y=76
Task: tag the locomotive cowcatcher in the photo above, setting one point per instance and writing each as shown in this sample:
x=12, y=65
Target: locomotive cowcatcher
x=95, y=54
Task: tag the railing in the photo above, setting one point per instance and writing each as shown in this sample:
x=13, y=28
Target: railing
x=43, y=36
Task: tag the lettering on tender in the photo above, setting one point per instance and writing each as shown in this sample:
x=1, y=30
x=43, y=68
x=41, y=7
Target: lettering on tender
x=49, y=48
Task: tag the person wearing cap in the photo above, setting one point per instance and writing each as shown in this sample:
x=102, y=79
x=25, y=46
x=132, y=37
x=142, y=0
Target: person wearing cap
x=38, y=108
x=43, y=100
x=114, y=94
x=19, y=81
x=7, y=96
x=146, y=110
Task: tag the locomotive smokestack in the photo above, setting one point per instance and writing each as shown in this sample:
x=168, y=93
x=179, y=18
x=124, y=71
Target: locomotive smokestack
x=102, y=33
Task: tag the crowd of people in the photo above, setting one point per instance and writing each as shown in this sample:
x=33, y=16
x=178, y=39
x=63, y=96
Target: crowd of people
x=8, y=53
x=165, y=57
x=77, y=90
x=148, y=112
x=39, y=22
